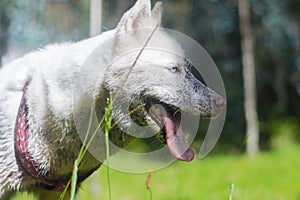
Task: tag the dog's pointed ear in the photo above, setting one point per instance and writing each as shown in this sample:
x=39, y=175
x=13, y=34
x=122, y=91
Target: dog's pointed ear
x=139, y=16
x=136, y=25
x=156, y=14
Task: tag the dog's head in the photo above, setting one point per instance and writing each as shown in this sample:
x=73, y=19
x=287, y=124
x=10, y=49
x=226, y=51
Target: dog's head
x=151, y=76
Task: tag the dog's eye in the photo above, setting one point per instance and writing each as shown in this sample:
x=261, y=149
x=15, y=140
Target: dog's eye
x=173, y=69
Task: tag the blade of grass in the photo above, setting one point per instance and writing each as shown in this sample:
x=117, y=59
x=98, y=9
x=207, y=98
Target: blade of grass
x=231, y=188
x=148, y=184
x=92, y=137
x=127, y=115
x=108, y=116
x=81, y=153
x=140, y=52
x=76, y=164
x=138, y=56
x=74, y=180
x=84, y=148
x=63, y=194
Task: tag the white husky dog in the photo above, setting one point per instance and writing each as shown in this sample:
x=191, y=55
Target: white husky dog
x=38, y=139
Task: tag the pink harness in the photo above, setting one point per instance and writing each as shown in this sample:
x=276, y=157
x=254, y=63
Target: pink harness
x=24, y=157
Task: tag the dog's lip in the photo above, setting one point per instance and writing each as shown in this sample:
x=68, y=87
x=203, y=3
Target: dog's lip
x=168, y=118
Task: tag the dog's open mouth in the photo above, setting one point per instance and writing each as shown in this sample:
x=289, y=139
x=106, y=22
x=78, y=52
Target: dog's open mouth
x=168, y=118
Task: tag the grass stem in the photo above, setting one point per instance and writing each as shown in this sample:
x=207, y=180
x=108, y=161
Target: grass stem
x=108, y=116
x=231, y=188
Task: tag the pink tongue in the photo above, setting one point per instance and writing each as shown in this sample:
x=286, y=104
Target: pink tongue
x=176, y=142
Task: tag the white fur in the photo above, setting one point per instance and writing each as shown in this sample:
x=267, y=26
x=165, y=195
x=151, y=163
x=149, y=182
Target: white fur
x=53, y=72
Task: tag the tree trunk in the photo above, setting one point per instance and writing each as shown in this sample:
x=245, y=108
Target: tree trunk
x=249, y=77
x=95, y=17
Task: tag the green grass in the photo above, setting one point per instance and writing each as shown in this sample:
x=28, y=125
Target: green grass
x=271, y=175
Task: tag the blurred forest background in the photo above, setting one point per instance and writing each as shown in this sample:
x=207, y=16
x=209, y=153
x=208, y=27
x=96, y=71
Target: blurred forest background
x=216, y=25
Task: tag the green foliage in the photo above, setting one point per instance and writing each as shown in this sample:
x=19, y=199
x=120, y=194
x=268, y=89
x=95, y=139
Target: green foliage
x=285, y=131
x=270, y=175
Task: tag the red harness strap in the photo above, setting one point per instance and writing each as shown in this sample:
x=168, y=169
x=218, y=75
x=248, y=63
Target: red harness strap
x=24, y=157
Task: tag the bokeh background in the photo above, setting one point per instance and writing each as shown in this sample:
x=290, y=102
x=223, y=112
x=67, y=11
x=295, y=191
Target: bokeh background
x=272, y=173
